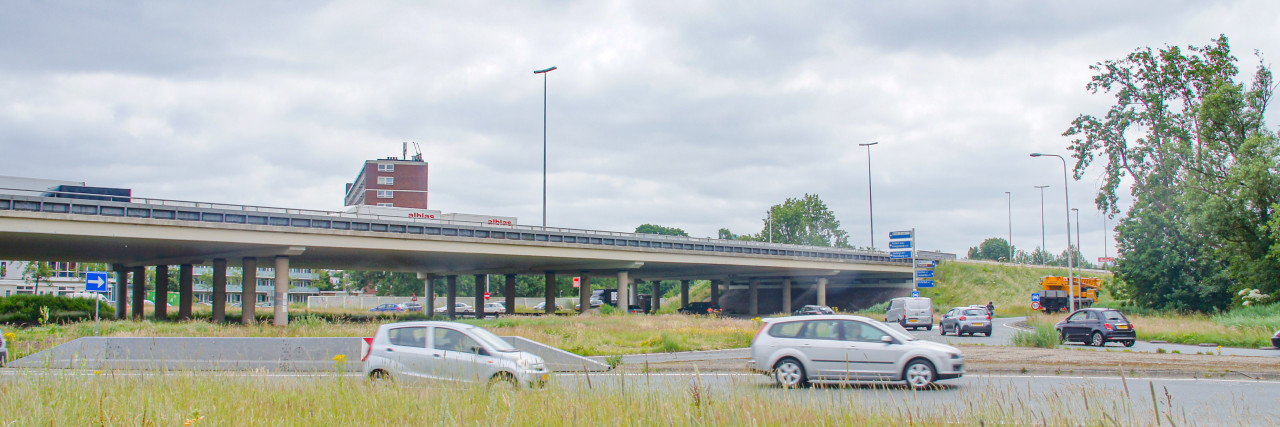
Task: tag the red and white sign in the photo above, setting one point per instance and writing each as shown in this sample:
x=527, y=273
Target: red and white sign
x=1105, y=259
x=577, y=282
x=366, y=346
x=1035, y=305
x=486, y=295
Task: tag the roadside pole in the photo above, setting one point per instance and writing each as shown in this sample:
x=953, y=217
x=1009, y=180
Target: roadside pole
x=96, y=282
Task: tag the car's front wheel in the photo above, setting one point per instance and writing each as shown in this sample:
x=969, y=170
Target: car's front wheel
x=1130, y=343
x=789, y=373
x=919, y=374
x=1098, y=340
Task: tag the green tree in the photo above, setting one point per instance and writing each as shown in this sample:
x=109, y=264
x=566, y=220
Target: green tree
x=1201, y=165
x=800, y=221
x=658, y=229
x=995, y=249
x=34, y=272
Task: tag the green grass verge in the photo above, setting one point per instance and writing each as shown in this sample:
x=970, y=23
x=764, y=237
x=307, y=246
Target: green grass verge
x=1009, y=287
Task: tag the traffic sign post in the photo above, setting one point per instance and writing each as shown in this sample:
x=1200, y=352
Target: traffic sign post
x=915, y=293
x=924, y=283
x=1035, y=297
x=486, y=296
x=577, y=282
x=1035, y=305
x=96, y=281
x=899, y=244
x=900, y=255
x=924, y=274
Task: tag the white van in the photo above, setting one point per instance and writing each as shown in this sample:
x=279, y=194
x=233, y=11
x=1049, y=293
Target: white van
x=914, y=313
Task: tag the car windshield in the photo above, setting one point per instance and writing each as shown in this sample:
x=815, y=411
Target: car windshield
x=1115, y=316
x=975, y=312
x=493, y=341
x=918, y=304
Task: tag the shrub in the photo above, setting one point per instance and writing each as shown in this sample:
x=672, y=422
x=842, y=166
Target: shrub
x=25, y=309
x=1044, y=336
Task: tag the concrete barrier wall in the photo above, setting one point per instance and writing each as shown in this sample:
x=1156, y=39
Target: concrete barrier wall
x=367, y=302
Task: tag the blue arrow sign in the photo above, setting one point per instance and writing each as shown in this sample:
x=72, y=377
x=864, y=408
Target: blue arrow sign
x=1035, y=296
x=924, y=274
x=95, y=281
x=900, y=234
x=924, y=283
x=915, y=293
x=900, y=255
x=900, y=244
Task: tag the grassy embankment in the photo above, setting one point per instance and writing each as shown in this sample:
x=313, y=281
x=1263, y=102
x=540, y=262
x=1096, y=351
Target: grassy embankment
x=110, y=398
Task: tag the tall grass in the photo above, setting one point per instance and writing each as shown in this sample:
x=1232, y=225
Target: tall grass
x=1044, y=336
x=111, y=398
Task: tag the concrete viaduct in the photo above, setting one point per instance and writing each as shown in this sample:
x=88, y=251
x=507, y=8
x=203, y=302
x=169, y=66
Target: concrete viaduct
x=137, y=233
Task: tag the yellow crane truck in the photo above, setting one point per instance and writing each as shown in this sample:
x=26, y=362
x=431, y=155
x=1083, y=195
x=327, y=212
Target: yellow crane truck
x=1053, y=292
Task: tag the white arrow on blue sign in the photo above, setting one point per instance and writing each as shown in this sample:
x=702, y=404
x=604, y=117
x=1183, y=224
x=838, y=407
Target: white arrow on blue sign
x=1035, y=296
x=900, y=255
x=924, y=274
x=924, y=283
x=95, y=281
x=900, y=244
x=900, y=234
x=915, y=293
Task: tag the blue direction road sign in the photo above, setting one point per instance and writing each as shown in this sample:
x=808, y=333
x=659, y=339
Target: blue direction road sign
x=924, y=274
x=900, y=255
x=900, y=234
x=1035, y=296
x=924, y=283
x=900, y=244
x=95, y=281
x=915, y=293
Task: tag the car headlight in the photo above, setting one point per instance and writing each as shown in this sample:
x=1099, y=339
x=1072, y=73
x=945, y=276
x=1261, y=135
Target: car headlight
x=956, y=356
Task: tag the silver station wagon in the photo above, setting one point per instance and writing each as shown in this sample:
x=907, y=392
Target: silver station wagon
x=448, y=351
x=796, y=350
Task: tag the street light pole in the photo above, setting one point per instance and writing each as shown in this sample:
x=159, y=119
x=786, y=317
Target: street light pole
x=1042, y=247
x=544, y=72
x=1010, y=242
x=1078, y=241
x=1066, y=195
x=870, y=204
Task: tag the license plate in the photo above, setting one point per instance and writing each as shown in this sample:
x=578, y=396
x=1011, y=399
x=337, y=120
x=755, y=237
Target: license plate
x=1122, y=326
x=979, y=324
x=545, y=376
x=912, y=321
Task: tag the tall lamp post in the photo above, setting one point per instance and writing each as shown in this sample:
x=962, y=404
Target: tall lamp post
x=544, y=72
x=1071, y=286
x=1077, y=211
x=871, y=210
x=1042, y=187
x=1010, y=242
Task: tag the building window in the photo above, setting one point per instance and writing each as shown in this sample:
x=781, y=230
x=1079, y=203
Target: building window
x=386, y=194
x=386, y=167
x=386, y=180
x=387, y=205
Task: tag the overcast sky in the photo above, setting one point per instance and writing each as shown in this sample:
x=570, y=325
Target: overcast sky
x=698, y=115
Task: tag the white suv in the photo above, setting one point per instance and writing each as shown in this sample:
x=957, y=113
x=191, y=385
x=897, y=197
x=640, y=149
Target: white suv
x=795, y=350
x=448, y=351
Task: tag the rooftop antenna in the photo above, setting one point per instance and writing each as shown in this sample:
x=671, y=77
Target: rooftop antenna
x=417, y=148
x=404, y=155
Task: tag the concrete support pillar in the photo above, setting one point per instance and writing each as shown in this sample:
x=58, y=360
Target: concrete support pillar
x=185, y=291
x=509, y=294
x=786, y=296
x=635, y=292
x=451, y=296
x=655, y=301
x=249, y=291
x=684, y=293
x=584, y=293
x=754, y=290
x=139, y=291
x=429, y=294
x=624, y=285
x=482, y=285
x=715, y=292
x=550, y=307
x=281, y=303
x=822, y=291
x=219, y=290
x=162, y=292
x=122, y=290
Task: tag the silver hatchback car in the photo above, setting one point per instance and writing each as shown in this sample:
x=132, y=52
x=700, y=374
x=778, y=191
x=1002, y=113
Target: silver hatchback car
x=796, y=350
x=448, y=351
x=966, y=320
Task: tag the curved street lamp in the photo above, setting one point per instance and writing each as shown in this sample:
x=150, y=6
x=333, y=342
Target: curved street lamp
x=871, y=210
x=1071, y=296
x=544, y=72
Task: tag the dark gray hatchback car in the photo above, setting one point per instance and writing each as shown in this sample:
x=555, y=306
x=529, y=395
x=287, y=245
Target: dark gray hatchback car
x=1097, y=326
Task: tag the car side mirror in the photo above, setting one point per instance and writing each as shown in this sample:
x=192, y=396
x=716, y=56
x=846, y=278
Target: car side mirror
x=886, y=339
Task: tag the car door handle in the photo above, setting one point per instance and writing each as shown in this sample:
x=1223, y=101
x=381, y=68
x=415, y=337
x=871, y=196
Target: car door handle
x=390, y=350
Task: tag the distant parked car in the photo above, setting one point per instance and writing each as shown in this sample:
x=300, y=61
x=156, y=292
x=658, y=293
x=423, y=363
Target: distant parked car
x=910, y=312
x=795, y=350
x=4, y=350
x=448, y=351
x=542, y=306
x=411, y=306
x=966, y=320
x=388, y=307
x=810, y=310
x=701, y=308
x=495, y=307
x=595, y=302
x=458, y=307
x=1096, y=326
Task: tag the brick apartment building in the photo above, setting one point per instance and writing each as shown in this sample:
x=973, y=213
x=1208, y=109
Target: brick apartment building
x=390, y=182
